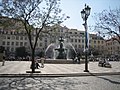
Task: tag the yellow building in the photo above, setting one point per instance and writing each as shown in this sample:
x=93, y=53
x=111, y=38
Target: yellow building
x=97, y=43
x=13, y=38
x=113, y=47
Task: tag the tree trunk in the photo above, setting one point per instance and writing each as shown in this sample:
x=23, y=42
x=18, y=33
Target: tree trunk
x=33, y=61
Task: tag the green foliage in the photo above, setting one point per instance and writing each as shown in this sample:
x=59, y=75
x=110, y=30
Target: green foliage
x=21, y=52
x=41, y=54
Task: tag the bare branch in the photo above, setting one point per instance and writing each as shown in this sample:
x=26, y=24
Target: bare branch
x=108, y=22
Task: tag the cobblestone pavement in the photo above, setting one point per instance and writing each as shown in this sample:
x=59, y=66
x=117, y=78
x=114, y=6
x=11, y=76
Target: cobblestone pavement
x=20, y=67
x=62, y=83
x=111, y=82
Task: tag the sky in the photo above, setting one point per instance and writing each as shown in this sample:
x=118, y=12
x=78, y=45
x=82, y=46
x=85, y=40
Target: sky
x=73, y=8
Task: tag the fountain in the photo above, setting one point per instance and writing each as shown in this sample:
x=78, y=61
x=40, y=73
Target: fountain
x=60, y=50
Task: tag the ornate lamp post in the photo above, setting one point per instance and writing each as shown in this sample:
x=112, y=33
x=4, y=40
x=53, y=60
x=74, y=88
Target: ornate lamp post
x=84, y=14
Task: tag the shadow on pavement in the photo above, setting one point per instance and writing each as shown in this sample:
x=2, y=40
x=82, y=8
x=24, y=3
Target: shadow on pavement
x=104, y=78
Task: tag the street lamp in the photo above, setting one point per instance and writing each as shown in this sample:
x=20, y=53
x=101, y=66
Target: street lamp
x=84, y=14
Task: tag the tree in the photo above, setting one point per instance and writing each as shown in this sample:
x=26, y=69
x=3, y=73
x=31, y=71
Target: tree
x=94, y=51
x=2, y=49
x=21, y=52
x=108, y=23
x=35, y=15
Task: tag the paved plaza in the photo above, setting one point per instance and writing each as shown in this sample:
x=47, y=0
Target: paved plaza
x=20, y=68
x=65, y=77
x=62, y=83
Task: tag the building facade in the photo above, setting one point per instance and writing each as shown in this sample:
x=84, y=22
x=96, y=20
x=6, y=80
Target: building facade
x=14, y=37
x=11, y=40
x=113, y=47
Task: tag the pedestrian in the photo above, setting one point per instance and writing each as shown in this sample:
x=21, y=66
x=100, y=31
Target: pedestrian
x=74, y=57
x=78, y=57
x=3, y=60
x=42, y=62
x=37, y=64
x=103, y=62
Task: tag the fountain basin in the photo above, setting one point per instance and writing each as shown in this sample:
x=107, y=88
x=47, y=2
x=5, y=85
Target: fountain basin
x=59, y=61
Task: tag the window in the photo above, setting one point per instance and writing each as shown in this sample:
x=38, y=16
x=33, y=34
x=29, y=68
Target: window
x=61, y=30
x=11, y=32
x=75, y=46
x=98, y=47
x=75, y=32
x=81, y=33
x=75, y=40
x=25, y=44
x=3, y=43
x=25, y=33
x=17, y=37
x=94, y=41
x=98, y=42
x=45, y=39
x=82, y=46
x=102, y=42
x=102, y=47
x=12, y=43
x=8, y=43
x=58, y=30
x=17, y=43
x=21, y=38
x=40, y=44
x=25, y=38
x=82, y=40
x=89, y=41
x=71, y=40
x=79, y=40
x=21, y=43
x=8, y=37
x=4, y=37
x=118, y=48
x=13, y=37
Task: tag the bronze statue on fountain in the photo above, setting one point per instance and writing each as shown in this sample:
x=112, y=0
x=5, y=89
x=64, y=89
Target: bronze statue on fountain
x=62, y=52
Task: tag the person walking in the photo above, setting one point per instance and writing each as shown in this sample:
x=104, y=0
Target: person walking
x=3, y=60
x=37, y=64
x=42, y=62
x=78, y=56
